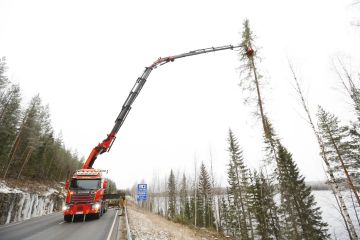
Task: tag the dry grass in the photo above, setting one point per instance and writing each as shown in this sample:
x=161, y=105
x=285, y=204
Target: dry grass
x=176, y=231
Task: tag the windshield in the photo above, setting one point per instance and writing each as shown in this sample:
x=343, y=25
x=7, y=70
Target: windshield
x=87, y=184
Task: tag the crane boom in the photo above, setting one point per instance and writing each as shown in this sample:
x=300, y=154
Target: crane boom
x=106, y=144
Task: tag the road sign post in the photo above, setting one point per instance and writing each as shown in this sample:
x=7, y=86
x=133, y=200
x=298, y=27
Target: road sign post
x=141, y=192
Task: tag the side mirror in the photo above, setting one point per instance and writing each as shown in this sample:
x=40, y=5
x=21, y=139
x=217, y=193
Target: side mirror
x=67, y=184
x=104, y=184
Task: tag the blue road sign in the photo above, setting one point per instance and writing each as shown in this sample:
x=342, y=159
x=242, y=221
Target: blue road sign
x=142, y=187
x=141, y=198
x=142, y=192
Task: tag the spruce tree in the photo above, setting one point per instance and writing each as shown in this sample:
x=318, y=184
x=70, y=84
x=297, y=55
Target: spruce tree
x=171, y=196
x=354, y=133
x=193, y=210
x=204, y=209
x=184, y=200
x=238, y=180
x=224, y=215
x=299, y=206
x=264, y=208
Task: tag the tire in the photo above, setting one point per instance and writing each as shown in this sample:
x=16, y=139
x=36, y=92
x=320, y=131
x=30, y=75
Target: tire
x=97, y=215
x=67, y=218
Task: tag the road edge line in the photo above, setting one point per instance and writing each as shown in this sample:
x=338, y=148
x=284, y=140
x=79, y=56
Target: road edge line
x=112, y=226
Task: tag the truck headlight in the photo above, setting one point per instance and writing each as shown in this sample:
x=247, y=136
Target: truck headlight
x=66, y=207
x=96, y=206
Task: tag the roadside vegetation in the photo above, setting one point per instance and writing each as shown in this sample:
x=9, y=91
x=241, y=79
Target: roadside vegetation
x=29, y=147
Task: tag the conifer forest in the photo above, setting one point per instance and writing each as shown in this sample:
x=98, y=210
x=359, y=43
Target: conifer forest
x=30, y=149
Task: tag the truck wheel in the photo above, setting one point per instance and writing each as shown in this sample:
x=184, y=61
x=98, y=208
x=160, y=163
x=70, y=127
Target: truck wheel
x=97, y=215
x=67, y=218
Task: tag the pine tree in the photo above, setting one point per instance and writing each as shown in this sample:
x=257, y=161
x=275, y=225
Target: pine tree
x=9, y=120
x=4, y=81
x=298, y=206
x=28, y=148
x=35, y=134
x=171, y=196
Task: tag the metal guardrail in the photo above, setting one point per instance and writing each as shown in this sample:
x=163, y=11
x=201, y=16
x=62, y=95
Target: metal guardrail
x=128, y=232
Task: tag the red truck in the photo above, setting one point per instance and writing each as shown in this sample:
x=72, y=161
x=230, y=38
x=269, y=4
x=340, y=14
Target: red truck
x=85, y=195
x=86, y=190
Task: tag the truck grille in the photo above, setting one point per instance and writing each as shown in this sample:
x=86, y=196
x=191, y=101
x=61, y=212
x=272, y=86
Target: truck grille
x=82, y=198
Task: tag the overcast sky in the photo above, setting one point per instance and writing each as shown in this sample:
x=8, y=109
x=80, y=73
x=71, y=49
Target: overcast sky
x=83, y=57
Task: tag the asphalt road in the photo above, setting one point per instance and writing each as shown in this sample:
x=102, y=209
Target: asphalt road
x=53, y=227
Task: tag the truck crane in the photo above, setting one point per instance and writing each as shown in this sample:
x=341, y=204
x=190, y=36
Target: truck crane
x=86, y=188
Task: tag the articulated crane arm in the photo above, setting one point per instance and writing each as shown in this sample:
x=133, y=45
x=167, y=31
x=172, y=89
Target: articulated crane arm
x=106, y=144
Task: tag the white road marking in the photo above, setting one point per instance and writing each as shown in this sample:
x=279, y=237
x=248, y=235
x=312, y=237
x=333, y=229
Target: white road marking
x=112, y=226
x=61, y=223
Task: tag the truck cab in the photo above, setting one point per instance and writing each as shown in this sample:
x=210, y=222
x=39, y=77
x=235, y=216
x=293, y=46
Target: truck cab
x=85, y=192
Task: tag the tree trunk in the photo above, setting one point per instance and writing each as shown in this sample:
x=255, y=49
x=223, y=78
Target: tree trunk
x=339, y=208
x=195, y=194
x=356, y=214
x=12, y=153
x=25, y=161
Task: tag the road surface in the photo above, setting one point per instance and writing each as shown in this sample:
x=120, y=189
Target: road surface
x=53, y=227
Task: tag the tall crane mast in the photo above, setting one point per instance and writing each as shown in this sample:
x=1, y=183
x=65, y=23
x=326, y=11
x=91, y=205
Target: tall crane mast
x=107, y=143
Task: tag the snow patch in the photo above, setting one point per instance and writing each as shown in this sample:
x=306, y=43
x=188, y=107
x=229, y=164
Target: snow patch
x=18, y=204
x=5, y=189
x=49, y=192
